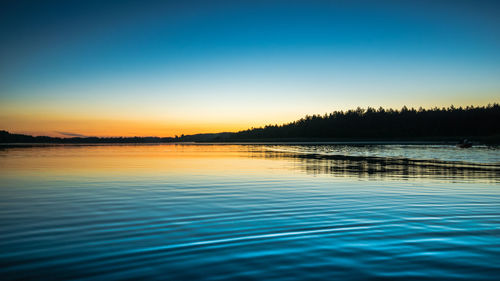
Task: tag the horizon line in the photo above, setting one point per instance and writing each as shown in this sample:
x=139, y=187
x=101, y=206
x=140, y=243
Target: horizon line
x=73, y=135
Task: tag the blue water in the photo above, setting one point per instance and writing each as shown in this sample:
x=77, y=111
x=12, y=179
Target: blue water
x=225, y=212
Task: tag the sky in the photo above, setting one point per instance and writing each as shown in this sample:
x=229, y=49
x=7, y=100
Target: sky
x=166, y=68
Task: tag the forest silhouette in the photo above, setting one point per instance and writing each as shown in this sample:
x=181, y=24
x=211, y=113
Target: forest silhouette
x=481, y=123
x=370, y=123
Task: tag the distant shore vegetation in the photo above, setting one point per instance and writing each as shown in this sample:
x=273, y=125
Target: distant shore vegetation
x=480, y=122
x=383, y=123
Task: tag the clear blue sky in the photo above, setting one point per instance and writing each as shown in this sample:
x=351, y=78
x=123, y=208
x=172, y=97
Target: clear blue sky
x=172, y=67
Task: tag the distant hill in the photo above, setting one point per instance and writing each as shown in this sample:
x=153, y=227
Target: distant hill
x=6, y=137
x=205, y=137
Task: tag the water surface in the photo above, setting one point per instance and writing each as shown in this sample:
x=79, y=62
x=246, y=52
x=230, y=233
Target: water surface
x=262, y=212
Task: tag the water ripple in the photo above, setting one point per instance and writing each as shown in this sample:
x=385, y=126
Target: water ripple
x=266, y=222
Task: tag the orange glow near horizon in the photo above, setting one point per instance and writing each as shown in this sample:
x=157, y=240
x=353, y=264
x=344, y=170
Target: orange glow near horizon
x=67, y=125
x=72, y=127
x=115, y=128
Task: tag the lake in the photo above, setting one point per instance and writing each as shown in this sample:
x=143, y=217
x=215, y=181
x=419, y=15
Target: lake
x=249, y=211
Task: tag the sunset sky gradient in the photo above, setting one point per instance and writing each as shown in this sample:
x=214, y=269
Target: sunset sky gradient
x=165, y=68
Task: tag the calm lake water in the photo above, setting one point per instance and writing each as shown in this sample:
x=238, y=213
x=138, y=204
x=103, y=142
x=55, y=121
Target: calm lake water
x=262, y=212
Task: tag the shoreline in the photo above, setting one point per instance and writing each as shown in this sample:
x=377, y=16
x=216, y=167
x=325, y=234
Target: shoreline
x=252, y=142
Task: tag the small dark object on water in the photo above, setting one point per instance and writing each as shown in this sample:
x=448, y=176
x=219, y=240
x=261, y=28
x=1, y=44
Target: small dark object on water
x=465, y=144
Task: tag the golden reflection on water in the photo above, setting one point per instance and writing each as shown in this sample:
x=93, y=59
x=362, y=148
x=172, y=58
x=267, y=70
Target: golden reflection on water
x=133, y=160
x=221, y=160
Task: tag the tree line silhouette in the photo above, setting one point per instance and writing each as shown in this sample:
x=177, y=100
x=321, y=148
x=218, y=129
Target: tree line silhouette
x=6, y=137
x=354, y=124
x=383, y=123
